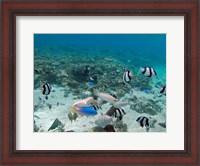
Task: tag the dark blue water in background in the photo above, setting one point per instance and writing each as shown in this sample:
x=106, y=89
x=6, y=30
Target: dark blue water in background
x=154, y=44
x=131, y=49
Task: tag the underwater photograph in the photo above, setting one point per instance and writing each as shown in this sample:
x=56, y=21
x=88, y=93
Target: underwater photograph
x=99, y=83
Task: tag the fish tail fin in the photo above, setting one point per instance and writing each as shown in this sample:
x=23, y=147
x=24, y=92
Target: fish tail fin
x=141, y=69
x=73, y=109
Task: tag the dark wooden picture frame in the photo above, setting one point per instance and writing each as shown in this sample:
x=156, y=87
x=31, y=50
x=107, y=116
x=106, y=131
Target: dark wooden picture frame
x=11, y=9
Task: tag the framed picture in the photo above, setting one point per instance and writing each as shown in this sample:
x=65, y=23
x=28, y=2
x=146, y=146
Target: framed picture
x=99, y=82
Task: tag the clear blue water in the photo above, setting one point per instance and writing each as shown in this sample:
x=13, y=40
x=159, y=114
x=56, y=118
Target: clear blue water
x=71, y=60
x=150, y=44
x=136, y=50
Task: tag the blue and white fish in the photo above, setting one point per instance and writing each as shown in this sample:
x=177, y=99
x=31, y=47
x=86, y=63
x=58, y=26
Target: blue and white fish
x=46, y=90
x=148, y=72
x=87, y=111
x=127, y=76
x=144, y=121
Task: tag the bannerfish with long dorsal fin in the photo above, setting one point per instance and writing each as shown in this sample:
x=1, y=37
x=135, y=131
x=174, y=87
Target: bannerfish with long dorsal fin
x=46, y=90
x=144, y=121
x=163, y=90
x=148, y=71
x=119, y=112
x=127, y=76
x=96, y=107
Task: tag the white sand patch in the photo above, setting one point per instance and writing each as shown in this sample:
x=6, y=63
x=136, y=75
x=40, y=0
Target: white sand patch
x=44, y=116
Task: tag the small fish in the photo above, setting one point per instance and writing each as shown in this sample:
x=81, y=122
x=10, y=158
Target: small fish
x=90, y=84
x=119, y=113
x=91, y=79
x=131, y=91
x=148, y=72
x=127, y=76
x=87, y=111
x=103, y=120
x=49, y=105
x=70, y=116
x=96, y=107
x=107, y=97
x=109, y=128
x=144, y=121
x=120, y=104
x=86, y=70
x=163, y=90
x=40, y=99
x=46, y=90
x=84, y=102
x=58, y=103
x=146, y=91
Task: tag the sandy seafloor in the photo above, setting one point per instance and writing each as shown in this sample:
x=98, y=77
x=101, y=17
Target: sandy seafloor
x=44, y=117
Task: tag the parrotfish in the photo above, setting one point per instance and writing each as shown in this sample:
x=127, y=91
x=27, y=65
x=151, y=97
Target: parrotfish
x=87, y=111
x=84, y=102
x=107, y=97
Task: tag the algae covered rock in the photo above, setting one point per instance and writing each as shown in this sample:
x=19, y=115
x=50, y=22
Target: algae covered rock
x=56, y=123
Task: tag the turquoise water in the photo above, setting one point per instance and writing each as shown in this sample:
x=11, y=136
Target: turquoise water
x=73, y=61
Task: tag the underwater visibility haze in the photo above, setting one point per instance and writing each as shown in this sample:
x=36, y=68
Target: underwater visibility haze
x=99, y=83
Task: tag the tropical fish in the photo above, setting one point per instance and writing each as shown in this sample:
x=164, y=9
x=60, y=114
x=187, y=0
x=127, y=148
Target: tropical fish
x=131, y=91
x=109, y=128
x=119, y=113
x=127, y=76
x=146, y=91
x=107, y=97
x=148, y=71
x=144, y=121
x=103, y=120
x=87, y=111
x=86, y=70
x=90, y=84
x=96, y=107
x=163, y=90
x=97, y=129
x=120, y=104
x=46, y=90
x=84, y=102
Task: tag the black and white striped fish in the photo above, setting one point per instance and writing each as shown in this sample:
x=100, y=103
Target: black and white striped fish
x=144, y=121
x=127, y=76
x=46, y=90
x=163, y=90
x=119, y=112
x=148, y=71
x=96, y=107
